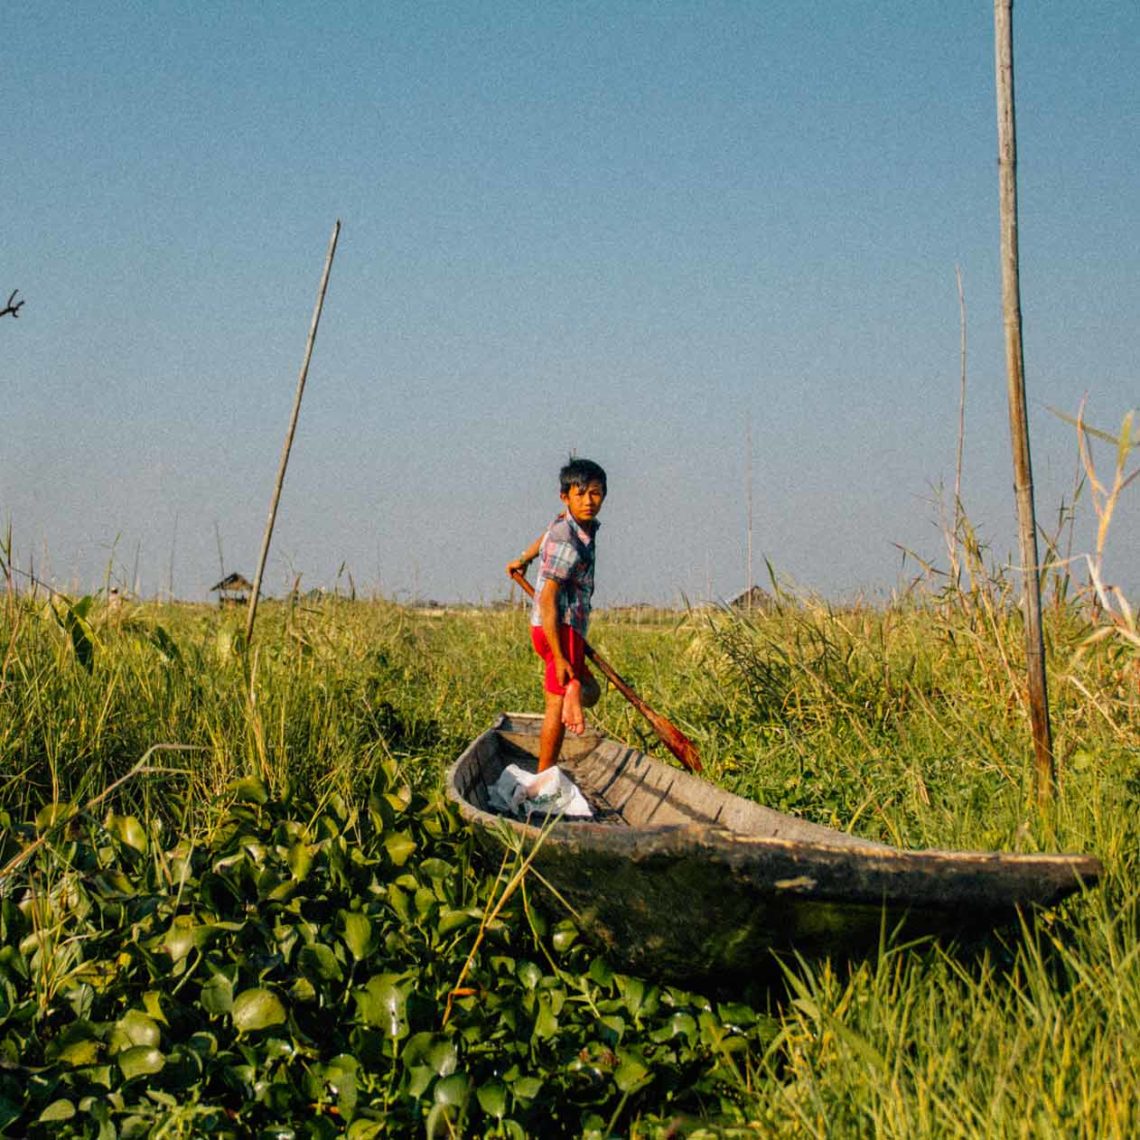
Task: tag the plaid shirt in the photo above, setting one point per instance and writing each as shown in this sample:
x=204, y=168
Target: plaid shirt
x=567, y=556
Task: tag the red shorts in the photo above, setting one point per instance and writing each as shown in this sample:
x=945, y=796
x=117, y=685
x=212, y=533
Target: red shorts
x=573, y=649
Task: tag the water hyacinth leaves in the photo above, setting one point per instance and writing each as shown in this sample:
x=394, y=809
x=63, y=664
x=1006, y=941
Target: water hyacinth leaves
x=400, y=846
x=382, y=1004
x=140, y=1061
x=134, y=1028
x=285, y=964
x=128, y=830
x=427, y=1056
x=319, y=963
x=217, y=995
x=357, y=933
x=249, y=790
x=257, y=1009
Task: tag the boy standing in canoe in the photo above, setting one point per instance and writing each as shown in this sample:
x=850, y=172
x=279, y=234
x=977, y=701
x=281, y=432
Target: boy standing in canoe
x=560, y=614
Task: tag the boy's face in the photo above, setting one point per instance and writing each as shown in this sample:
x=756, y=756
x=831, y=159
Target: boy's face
x=584, y=502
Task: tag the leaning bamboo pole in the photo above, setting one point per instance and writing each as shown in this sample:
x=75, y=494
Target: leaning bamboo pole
x=256, y=591
x=1046, y=772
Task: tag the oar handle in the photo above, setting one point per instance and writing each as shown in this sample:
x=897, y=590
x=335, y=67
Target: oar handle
x=671, y=736
x=520, y=578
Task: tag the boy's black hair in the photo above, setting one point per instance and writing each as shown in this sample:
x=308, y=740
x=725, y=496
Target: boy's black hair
x=580, y=473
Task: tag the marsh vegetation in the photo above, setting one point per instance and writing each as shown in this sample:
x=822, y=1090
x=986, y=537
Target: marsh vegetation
x=234, y=901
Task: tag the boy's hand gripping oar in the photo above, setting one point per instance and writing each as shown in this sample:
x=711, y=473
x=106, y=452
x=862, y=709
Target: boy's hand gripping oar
x=671, y=736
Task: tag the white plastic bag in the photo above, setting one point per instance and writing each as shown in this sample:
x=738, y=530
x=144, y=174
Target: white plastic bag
x=522, y=793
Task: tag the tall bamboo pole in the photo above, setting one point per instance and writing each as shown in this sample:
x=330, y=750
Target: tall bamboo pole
x=256, y=591
x=748, y=479
x=956, y=537
x=1046, y=772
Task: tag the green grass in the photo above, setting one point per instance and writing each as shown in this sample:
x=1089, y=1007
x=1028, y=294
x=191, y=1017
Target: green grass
x=177, y=958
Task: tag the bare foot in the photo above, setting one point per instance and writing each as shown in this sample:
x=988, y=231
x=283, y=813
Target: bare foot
x=572, y=715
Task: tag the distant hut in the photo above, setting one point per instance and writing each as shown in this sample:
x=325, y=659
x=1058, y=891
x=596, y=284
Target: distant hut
x=756, y=599
x=232, y=590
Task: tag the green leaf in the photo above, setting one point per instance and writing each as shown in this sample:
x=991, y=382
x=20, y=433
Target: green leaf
x=398, y=901
x=564, y=936
x=420, y=1078
x=631, y=1074
x=529, y=974
x=437, y=1053
x=600, y=972
x=400, y=846
x=318, y=960
x=633, y=991
x=134, y=1028
x=80, y=1052
x=140, y=1061
x=257, y=1009
x=128, y=830
x=442, y=1057
x=368, y=1130
x=493, y=1099
x=450, y=920
x=217, y=995
x=545, y=1024
x=300, y=859
x=56, y=1111
x=425, y=901
x=341, y=1076
x=203, y=1044
x=452, y=1091
x=165, y=644
x=383, y=1005
x=249, y=790
x=302, y=991
x=79, y=630
x=679, y=1024
x=737, y=1015
x=152, y=1000
x=53, y=814
x=357, y=933
x=526, y=1088
x=436, y=869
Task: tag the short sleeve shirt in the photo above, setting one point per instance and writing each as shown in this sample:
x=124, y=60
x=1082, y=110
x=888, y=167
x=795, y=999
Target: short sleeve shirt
x=567, y=557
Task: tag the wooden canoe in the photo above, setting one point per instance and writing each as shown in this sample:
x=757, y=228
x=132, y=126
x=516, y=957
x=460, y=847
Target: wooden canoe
x=679, y=879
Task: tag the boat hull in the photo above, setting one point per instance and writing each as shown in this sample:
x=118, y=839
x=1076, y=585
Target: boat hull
x=681, y=880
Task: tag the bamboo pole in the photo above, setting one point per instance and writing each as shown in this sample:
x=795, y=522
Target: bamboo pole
x=956, y=537
x=1046, y=772
x=748, y=479
x=256, y=591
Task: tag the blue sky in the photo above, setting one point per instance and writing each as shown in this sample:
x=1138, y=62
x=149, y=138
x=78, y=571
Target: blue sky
x=622, y=229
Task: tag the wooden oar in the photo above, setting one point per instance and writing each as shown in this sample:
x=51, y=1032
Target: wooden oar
x=670, y=735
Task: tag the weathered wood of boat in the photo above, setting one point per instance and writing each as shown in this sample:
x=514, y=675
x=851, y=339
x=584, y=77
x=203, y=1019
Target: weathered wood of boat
x=679, y=879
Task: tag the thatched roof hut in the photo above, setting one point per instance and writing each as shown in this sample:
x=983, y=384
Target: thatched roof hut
x=232, y=590
x=756, y=598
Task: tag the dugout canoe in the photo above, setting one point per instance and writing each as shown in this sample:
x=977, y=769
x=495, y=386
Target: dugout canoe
x=679, y=879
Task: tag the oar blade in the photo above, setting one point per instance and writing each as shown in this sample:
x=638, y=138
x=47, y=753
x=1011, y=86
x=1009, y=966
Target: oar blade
x=677, y=742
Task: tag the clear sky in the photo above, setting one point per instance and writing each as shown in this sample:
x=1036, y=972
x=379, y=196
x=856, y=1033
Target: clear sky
x=621, y=229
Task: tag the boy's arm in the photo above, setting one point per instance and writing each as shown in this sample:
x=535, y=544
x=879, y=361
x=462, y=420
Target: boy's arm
x=548, y=611
x=526, y=558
